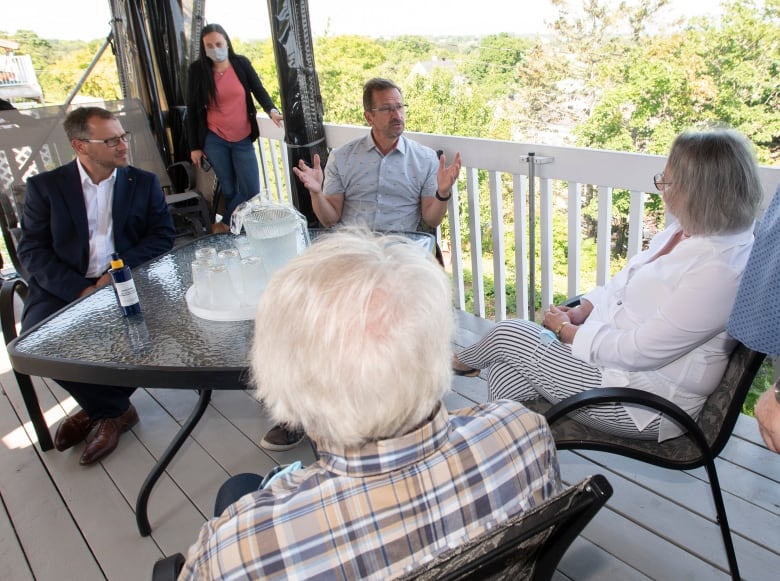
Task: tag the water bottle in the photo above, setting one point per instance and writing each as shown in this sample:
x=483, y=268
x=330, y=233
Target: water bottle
x=124, y=287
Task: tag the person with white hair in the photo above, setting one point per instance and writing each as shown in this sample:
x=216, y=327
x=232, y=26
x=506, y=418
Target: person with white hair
x=352, y=344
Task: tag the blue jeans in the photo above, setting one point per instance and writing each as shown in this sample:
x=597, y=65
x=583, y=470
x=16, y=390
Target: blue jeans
x=236, y=167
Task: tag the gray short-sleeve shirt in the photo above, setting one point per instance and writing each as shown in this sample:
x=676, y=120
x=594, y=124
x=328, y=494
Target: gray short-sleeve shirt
x=383, y=193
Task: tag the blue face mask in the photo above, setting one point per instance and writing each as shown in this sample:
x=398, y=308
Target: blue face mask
x=217, y=54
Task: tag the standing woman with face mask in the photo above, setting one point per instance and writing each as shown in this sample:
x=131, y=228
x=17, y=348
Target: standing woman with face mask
x=221, y=118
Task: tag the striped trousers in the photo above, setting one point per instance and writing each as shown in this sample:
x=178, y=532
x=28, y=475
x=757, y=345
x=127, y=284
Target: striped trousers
x=521, y=367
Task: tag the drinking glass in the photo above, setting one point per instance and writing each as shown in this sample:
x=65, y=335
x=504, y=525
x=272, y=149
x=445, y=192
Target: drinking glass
x=254, y=279
x=220, y=289
x=199, y=280
x=231, y=258
x=208, y=253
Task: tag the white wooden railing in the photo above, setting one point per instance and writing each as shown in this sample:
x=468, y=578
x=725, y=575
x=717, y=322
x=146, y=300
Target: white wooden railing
x=555, y=169
x=18, y=79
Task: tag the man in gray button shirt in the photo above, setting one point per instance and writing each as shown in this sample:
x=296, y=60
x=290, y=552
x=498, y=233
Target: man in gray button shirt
x=382, y=181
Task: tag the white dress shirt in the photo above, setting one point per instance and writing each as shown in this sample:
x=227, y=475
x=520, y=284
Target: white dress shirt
x=98, y=199
x=660, y=325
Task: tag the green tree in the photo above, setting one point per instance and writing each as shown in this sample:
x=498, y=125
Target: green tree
x=708, y=73
x=537, y=102
x=261, y=55
x=492, y=67
x=439, y=103
x=42, y=52
x=593, y=38
x=743, y=61
x=344, y=64
x=407, y=49
x=61, y=78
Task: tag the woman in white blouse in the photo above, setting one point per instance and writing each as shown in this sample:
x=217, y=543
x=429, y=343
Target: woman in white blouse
x=659, y=324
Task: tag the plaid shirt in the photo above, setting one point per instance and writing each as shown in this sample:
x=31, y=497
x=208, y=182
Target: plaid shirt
x=381, y=510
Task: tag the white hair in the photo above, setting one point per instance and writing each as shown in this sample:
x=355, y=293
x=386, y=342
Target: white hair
x=353, y=339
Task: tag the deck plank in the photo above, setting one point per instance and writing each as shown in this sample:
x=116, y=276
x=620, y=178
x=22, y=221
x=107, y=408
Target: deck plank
x=171, y=512
x=105, y=516
x=11, y=553
x=43, y=524
x=586, y=561
x=747, y=455
x=680, y=519
x=194, y=471
x=691, y=489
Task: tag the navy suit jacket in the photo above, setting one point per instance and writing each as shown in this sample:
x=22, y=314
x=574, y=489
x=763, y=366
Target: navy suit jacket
x=54, y=247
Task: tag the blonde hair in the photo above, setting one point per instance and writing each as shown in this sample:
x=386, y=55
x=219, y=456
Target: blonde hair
x=353, y=339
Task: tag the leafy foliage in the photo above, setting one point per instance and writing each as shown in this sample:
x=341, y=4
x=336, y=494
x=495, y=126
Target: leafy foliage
x=261, y=55
x=493, y=65
x=703, y=74
x=344, y=63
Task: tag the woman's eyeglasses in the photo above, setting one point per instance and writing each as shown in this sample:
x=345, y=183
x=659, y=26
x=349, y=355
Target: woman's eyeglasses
x=660, y=184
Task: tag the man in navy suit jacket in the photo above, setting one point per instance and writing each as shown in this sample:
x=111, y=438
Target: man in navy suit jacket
x=74, y=217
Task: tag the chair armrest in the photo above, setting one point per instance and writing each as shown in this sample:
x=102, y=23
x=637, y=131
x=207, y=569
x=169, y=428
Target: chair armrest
x=629, y=395
x=571, y=301
x=189, y=171
x=9, y=290
x=168, y=568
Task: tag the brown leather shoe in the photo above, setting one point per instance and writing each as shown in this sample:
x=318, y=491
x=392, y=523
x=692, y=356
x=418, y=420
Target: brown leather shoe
x=73, y=430
x=220, y=228
x=107, y=435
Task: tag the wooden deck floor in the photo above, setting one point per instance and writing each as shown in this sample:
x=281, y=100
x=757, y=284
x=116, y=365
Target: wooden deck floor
x=62, y=521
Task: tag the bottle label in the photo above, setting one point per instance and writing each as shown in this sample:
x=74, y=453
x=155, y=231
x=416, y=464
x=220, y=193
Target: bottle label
x=126, y=293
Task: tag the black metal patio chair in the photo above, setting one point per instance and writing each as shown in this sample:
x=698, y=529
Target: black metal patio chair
x=704, y=439
x=527, y=546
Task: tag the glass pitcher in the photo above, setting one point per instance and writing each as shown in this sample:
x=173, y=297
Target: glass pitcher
x=277, y=232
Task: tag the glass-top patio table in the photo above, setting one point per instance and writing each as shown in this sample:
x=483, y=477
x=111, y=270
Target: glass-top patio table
x=169, y=347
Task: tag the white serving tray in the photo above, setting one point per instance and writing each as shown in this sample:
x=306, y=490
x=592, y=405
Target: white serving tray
x=237, y=313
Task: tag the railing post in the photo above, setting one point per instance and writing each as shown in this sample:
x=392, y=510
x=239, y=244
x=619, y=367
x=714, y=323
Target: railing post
x=532, y=161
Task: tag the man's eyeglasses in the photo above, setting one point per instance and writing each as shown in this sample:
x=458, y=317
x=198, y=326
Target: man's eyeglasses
x=660, y=184
x=111, y=141
x=387, y=109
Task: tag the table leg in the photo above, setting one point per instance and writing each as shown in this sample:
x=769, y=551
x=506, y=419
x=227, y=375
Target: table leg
x=141, y=517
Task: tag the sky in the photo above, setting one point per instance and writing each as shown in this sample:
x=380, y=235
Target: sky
x=248, y=19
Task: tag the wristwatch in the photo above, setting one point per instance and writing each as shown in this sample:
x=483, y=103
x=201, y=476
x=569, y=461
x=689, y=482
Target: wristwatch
x=442, y=199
